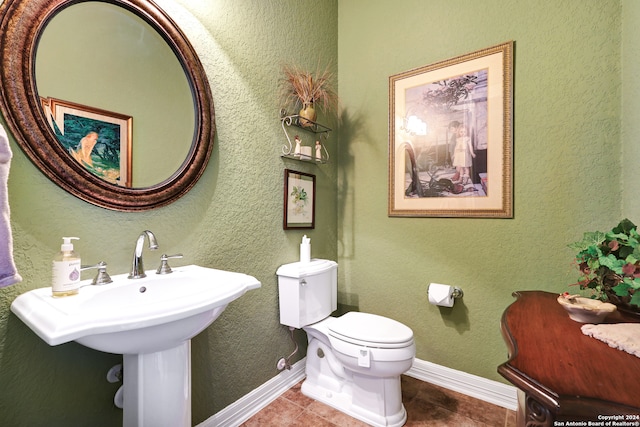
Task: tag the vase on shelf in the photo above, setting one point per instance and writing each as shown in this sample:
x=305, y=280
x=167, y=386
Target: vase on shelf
x=307, y=115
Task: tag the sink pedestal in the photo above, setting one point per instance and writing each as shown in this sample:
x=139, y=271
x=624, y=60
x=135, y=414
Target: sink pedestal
x=157, y=388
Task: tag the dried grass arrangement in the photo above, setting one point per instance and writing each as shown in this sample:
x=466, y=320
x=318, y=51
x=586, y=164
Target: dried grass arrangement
x=303, y=89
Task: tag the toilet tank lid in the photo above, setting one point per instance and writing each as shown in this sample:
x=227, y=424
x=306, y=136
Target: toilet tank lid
x=304, y=269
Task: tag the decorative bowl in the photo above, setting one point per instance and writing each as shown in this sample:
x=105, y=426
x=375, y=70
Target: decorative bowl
x=585, y=310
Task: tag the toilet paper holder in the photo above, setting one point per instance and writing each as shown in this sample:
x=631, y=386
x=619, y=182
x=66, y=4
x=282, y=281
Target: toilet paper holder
x=457, y=293
x=443, y=295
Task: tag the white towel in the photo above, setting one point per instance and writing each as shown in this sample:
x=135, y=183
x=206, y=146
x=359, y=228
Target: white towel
x=8, y=273
x=624, y=336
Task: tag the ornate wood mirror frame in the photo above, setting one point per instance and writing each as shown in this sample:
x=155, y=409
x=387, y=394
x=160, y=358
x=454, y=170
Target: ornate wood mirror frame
x=21, y=26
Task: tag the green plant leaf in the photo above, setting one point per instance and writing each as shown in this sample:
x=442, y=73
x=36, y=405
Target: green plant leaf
x=590, y=238
x=625, y=226
x=635, y=299
x=622, y=290
x=635, y=283
x=613, y=263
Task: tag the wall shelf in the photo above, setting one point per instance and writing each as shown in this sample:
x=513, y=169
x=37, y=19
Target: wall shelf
x=314, y=130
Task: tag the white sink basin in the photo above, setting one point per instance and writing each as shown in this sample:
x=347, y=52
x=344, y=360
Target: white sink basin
x=149, y=321
x=132, y=316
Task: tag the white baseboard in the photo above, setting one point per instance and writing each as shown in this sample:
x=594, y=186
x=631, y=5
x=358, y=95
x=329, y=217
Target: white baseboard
x=250, y=404
x=471, y=385
x=478, y=387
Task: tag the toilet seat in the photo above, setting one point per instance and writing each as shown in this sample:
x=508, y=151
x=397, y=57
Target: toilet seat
x=370, y=330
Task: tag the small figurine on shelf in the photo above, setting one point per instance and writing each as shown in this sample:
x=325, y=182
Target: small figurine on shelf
x=318, y=151
x=296, y=151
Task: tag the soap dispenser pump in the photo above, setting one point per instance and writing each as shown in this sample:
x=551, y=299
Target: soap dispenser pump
x=66, y=270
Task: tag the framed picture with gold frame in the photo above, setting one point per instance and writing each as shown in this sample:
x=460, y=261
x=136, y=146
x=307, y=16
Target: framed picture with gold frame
x=99, y=140
x=450, y=137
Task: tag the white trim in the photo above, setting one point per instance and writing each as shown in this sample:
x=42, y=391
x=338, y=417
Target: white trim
x=250, y=404
x=478, y=387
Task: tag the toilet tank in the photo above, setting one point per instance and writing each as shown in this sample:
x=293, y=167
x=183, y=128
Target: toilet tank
x=308, y=292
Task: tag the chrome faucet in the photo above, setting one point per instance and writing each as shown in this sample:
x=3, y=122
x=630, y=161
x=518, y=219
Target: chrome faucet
x=137, y=267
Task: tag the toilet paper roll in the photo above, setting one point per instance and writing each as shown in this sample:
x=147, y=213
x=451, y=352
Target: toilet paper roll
x=305, y=249
x=441, y=295
x=305, y=252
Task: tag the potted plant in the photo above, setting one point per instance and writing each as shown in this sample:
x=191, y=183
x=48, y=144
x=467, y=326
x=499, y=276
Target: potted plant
x=609, y=265
x=308, y=90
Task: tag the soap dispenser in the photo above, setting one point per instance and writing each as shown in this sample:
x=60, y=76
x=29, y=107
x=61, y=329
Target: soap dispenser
x=66, y=270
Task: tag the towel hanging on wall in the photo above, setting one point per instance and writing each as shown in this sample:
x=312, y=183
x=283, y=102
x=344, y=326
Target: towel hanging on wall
x=8, y=273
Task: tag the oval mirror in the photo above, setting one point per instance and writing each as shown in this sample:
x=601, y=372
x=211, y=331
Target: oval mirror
x=121, y=155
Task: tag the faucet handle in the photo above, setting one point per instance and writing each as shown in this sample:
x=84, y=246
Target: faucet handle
x=102, y=278
x=164, y=263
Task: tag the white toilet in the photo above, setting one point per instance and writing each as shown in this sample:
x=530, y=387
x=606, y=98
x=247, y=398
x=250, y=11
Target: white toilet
x=354, y=362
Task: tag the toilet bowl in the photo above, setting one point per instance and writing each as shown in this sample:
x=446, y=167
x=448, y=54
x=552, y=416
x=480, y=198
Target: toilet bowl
x=354, y=362
x=359, y=374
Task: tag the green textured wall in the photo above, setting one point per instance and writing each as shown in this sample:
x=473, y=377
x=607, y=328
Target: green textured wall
x=567, y=147
x=630, y=107
x=232, y=219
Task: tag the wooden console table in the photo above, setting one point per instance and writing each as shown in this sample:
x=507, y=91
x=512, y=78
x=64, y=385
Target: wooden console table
x=564, y=377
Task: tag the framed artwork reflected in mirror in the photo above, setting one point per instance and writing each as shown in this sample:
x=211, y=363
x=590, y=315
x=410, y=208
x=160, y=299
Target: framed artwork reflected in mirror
x=99, y=140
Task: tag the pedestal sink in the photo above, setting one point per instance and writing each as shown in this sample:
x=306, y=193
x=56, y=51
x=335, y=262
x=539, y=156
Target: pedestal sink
x=149, y=321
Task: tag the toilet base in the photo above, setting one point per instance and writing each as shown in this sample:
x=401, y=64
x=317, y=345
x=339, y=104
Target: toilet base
x=374, y=400
x=343, y=402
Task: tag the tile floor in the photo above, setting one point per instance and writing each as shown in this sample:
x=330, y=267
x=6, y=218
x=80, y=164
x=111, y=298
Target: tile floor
x=426, y=405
